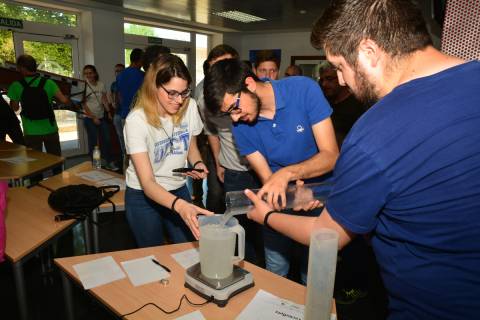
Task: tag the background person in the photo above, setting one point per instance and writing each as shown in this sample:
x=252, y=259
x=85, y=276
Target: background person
x=266, y=65
x=293, y=70
x=346, y=108
x=160, y=135
x=408, y=171
x=9, y=124
x=96, y=108
x=43, y=130
x=128, y=82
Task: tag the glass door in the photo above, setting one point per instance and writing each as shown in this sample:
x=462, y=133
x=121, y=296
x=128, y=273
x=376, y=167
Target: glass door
x=58, y=56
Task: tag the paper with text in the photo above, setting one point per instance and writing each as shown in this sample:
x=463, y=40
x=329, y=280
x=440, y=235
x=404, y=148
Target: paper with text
x=143, y=270
x=95, y=175
x=187, y=258
x=98, y=272
x=268, y=306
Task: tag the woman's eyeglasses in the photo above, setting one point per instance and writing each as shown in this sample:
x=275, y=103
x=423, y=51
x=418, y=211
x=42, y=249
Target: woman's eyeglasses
x=173, y=94
x=234, y=107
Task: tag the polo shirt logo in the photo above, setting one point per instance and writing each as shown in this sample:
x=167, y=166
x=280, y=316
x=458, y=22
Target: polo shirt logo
x=300, y=129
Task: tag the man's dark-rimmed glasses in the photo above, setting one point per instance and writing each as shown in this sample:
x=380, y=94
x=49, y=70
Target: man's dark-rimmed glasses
x=234, y=106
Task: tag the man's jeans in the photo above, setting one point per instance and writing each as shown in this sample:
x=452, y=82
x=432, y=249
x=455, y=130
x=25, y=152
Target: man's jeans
x=147, y=219
x=279, y=249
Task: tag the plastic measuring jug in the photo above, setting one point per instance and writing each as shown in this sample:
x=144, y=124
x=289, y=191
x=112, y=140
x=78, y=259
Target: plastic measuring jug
x=217, y=245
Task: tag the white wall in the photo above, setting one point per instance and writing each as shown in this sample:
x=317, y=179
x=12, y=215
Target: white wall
x=107, y=39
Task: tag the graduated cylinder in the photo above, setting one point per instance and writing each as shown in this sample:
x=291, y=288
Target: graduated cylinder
x=321, y=274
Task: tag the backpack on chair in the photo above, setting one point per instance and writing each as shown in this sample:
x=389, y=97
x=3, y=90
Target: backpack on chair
x=34, y=101
x=78, y=201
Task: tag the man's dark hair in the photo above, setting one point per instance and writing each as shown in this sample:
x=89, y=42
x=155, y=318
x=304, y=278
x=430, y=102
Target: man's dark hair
x=266, y=55
x=225, y=76
x=28, y=62
x=218, y=51
x=397, y=26
x=136, y=55
x=151, y=54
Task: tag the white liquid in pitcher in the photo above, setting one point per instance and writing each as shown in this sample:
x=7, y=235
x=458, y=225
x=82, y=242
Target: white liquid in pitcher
x=217, y=247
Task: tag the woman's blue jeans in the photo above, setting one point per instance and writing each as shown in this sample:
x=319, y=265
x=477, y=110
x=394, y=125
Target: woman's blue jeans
x=93, y=132
x=149, y=220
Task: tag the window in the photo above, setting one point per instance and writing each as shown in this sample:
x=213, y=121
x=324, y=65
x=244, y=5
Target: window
x=200, y=55
x=37, y=15
x=148, y=31
x=52, y=57
x=7, y=51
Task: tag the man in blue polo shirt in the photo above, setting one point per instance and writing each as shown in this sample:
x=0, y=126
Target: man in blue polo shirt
x=283, y=128
x=409, y=170
x=127, y=82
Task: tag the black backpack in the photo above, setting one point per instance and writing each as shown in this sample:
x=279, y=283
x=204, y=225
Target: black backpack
x=78, y=201
x=34, y=100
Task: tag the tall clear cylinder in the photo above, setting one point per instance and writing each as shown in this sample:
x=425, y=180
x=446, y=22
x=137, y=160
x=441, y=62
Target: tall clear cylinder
x=238, y=203
x=321, y=274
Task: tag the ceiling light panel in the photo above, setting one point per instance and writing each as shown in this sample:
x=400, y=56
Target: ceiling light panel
x=238, y=16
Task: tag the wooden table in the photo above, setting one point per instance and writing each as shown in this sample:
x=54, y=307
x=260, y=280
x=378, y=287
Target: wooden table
x=6, y=146
x=122, y=297
x=19, y=171
x=70, y=176
x=30, y=227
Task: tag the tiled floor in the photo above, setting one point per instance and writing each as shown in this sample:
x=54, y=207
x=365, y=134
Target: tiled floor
x=45, y=294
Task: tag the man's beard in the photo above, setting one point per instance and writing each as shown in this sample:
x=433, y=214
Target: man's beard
x=257, y=105
x=365, y=91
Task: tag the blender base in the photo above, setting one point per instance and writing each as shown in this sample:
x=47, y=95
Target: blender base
x=221, y=290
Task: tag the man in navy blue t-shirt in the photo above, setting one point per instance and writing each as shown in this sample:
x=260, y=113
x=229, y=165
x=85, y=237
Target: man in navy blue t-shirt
x=284, y=130
x=409, y=170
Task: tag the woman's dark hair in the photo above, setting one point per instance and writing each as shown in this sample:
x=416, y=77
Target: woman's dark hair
x=91, y=67
x=397, y=26
x=225, y=76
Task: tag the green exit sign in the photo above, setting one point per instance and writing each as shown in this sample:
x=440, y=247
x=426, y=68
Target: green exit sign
x=11, y=23
x=154, y=40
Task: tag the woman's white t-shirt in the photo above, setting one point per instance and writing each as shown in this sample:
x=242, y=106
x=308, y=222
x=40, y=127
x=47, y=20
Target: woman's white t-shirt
x=93, y=96
x=166, y=151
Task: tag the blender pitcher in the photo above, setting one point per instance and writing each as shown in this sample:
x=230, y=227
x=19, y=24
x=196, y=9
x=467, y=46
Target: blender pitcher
x=217, y=245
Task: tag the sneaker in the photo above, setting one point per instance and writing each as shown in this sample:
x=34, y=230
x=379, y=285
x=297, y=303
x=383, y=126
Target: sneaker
x=111, y=166
x=350, y=296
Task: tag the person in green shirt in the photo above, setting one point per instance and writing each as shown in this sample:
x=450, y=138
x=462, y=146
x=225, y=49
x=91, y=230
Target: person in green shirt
x=37, y=132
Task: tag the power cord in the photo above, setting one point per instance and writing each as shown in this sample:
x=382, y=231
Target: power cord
x=172, y=311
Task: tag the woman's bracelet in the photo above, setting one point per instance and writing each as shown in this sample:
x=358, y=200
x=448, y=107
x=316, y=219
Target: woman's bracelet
x=195, y=164
x=173, y=204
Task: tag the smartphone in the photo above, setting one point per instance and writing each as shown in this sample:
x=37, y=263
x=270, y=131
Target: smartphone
x=185, y=170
